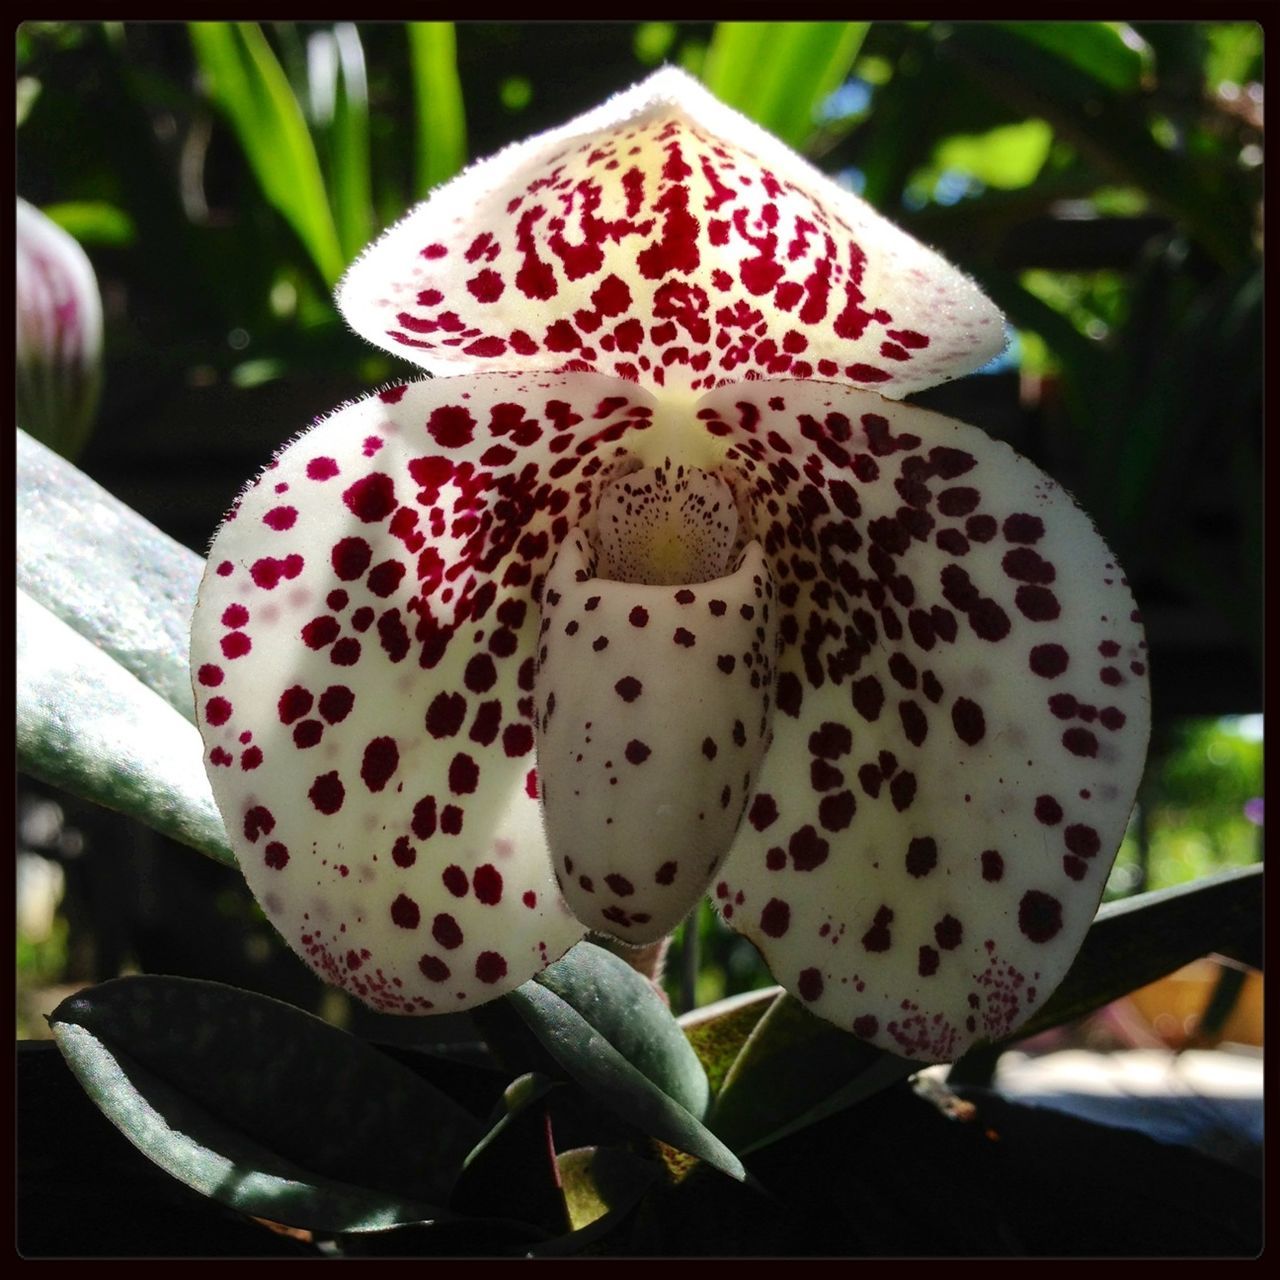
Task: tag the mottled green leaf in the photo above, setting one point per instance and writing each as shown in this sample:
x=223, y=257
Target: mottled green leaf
x=88, y=726
x=718, y=1031
x=105, y=571
x=262, y=1106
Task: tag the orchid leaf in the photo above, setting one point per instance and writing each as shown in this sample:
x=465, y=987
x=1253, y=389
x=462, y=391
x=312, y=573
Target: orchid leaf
x=780, y=73
x=88, y=726
x=441, y=131
x=101, y=568
x=718, y=1031
x=262, y=1106
x=249, y=85
x=609, y=1030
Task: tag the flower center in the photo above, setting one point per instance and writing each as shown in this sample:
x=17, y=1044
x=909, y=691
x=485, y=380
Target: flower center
x=666, y=527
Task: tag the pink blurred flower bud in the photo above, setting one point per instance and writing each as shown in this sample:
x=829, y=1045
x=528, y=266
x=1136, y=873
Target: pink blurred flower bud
x=59, y=334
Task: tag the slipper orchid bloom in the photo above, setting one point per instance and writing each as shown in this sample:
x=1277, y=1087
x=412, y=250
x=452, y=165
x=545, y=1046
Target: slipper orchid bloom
x=655, y=591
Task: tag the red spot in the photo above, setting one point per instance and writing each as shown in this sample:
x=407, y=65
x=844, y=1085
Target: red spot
x=251, y=758
x=809, y=984
x=490, y=967
x=948, y=933
x=1023, y=528
x=280, y=518
x=445, y=930
x=1080, y=742
x=1039, y=916
x=969, y=722
x=1039, y=604
x=433, y=969
x=628, y=688
x=529, y=898
x=831, y=740
x=487, y=883
x=225, y=568
x=307, y=733
x=371, y=498
x=445, y=714
x=258, y=821
x=764, y=811
x=209, y=675
x=217, y=711
x=866, y=1026
x=294, y=702
x=1082, y=840
x=327, y=793
x=836, y=812
x=958, y=501
x=517, y=740
x=381, y=759
x=1049, y=660
x=638, y=617
x=902, y=790
x=867, y=697
x=403, y=854
x=927, y=965
x=666, y=873
x=336, y=703
x=276, y=856
x=620, y=885
x=922, y=856
x=321, y=469
x=480, y=674
x=1048, y=811
x=235, y=615
x=350, y=558
x=464, y=775
x=1112, y=718
x=878, y=938
x=385, y=578
x=807, y=849
x=775, y=919
x=1024, y=565
x=405, y=913
x=992, y=866
x=346, y=653
x=637, y=752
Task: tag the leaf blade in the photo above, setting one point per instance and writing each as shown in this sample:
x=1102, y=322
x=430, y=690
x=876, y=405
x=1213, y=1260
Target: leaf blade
x=440, y=134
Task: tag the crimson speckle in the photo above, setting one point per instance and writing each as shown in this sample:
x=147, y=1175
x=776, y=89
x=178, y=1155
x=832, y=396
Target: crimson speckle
x=837, y=811
x=490, y=967
x=381, y=759
x=451, y=426
x=1039, y=604
x=209, y=675
x=1080, y=742
x=637, y=752
x=217, y=711
x=455, y=880
x=775, y=919
x=638, y=617
x=276, y=856
x=336, y=703
x=403, y=854
x=1082, y=840
x=517, y=740
x=320, y=631
x=346, y=652
x=350, y=558
x=1048, y=811
x=306, y=733
x=487, y=883
x=280, y=518
x=433, y=969
x=620, y=885
x=866, y=1026
x=480, y=674
x=445, y=930
x=258, y=821
x=1023, y=528
x=445, y=714
x=970, y=724
x=1039, y=916
x=327, y=793
x=405, y=913
x=1112, y=718
x=294, y=702
x=371, y=498
x=321, y=469
x=464, y=775
x=922, y=856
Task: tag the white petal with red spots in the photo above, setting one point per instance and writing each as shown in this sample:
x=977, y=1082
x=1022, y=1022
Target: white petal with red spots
x=961, y=717
x=363, y=659
x=665, y=238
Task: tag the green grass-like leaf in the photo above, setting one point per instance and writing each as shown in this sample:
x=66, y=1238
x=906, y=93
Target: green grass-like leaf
x=441, y=134
x=247, y=82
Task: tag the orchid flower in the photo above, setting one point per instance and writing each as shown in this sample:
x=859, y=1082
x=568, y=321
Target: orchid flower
x=655, y=591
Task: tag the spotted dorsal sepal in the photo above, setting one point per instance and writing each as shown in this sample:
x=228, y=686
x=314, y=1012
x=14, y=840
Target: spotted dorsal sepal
x=653, y=709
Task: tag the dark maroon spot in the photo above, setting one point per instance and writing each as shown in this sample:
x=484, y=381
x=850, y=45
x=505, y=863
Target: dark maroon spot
x=350, y=558
x=726, y=662
x=902, y=668
x=403, y=854
x=217, y=711
x=320, y=631
x=1112, y=718
x=1049, y=660
x=709, y=748
x=836, y=812
x=209, y=675
x=620, y=885
x=258, y=821
x=433, y=968
x=1108, y=675
x=306, y=733
x=878, y=938
x=764, y=811
x=970, y=724
x=1074, y=867
x=276, y=856
x=948, y=933
x=868, y=697
x=1082, y=840
x=717, y=608
x=336, y=703
x=451, y=426
x=1063, y=705
x=808, y=849
x=992, y=865
x=1048, y=811
x=922, y=856
x=1080, y=742
x=914, y=722
x=927, y=964
x=1037, y=603
x=455, y=880
x=480, y=674
x=446, y=714
x=628, y=688
x=684, y=637
x=327, y=793
x=405, y=913
x=464, y=774
x=490, y=967
x=831, y=740
x=958, y=502
x=685, y=596
x=381, y=759
x=385, y=578
x=932, y=686
x=445, y=930
x=665, y=874
x=1023, y=528
x=487, y=883
x=517, y=740
x=423, y=823
x=789, y=694
x=1039, y=916
x=638, y=617
x=1024, y=565
x=637, y=752
x=251, y=759
x=294, y=702
x=902, y=790
x=809, y=984
x=371, y=498
x=866, y=1026
x=775, y=919
x=346, y=652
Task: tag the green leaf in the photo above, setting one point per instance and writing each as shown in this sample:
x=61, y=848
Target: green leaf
x=780, y=73
x=602, y=1183
x=718, y=1031
x=93, y=222
x=1110, y=52
x=105, y=571
x=1007, y=157
x=794, y=1070
x=86, y=725
x=246, y=80
x=340, y=108
x=608, y=1029
x=441, y=133
x=263, y=1107
x=1137, y=940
